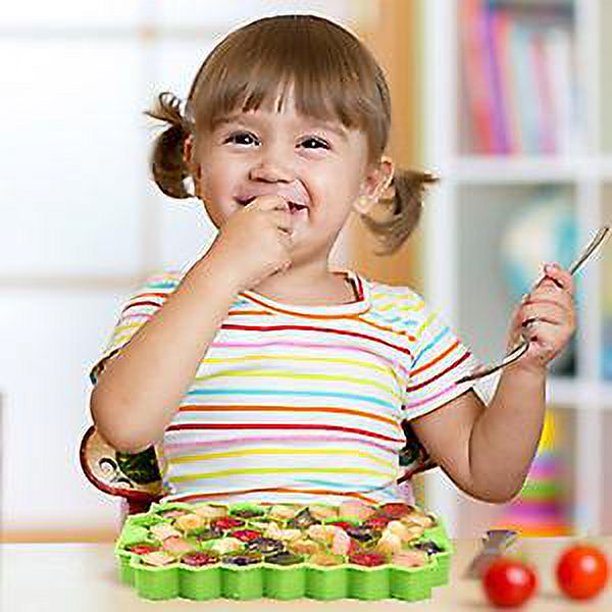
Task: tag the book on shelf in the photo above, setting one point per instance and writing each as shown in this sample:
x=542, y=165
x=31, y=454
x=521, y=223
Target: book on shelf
x=519, y=78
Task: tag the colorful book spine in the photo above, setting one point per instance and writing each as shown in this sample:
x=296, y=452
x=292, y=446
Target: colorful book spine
x=502, y=24
x=520, y=90
x=560, y=65
x=474, y=55
x=519, y=83
x=500, y=128
x=544, y=95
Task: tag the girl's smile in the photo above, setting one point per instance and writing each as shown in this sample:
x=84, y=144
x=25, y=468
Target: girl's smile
x=297, y=198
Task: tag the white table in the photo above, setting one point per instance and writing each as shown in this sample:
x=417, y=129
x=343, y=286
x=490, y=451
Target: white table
x=83, y=578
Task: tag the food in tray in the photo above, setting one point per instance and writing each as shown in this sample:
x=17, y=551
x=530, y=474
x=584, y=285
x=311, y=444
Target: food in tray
x=187, y=521
x=210, y=511
x=304, y=546
x=369, y=559
x=158, y=558
x=326, y=559
x=247, y=511
x=356, y=510
x=207, y=533
x=410, y=558
x=161, y=531
x=284, y=558
x=242, y=558
x=200, y=558
x=246, y=535
x=226, y=545
x=142, y=549
x=302, y=520
x=178, y=546
x=227, y=522
x=283, y=512
x=361, y=533
x=321, y=512
x=285, y=534
x=388, y=544
x=265, y=545
x=396, y=510
x=431, y=548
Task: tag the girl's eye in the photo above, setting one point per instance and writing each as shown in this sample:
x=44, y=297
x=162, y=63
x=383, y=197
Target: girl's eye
x=242, y=138
x=314, y=143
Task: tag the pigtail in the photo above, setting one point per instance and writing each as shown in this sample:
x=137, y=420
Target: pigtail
x=167, y=163
x=406, y=202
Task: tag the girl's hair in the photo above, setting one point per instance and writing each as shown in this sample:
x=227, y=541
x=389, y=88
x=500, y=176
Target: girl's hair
x=333, y=76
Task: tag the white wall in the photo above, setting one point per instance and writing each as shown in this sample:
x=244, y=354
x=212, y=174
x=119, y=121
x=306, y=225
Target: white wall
x=80, y=223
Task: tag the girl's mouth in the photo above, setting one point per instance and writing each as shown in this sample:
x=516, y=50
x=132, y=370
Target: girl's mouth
x=294, y=207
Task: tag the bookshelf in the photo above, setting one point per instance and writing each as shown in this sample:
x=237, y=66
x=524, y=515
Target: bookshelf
x=530, y=128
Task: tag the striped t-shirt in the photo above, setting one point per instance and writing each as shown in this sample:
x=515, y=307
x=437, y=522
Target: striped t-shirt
x=303, y=403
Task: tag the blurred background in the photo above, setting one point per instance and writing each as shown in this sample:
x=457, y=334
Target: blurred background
x=508, y=101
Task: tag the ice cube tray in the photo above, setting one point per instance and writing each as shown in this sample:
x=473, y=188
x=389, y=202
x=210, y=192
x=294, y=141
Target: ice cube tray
x=248, y=551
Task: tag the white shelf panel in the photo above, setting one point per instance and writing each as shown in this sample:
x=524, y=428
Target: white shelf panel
x=539, y=169
x=580, y=394
x=564, y=392
x=606, y=168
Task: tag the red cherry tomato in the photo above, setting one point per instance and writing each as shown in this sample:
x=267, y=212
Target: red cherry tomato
x=508, y=582
x=582, y=571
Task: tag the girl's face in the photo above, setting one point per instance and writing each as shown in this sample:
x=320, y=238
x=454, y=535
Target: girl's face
x=320, y=168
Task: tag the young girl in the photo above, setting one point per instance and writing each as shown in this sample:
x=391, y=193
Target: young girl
x=261, y=373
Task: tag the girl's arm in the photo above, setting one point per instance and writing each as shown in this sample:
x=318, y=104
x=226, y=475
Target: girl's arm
x=140, y=389
x=487, y=451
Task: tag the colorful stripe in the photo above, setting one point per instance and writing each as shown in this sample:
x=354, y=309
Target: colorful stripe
x=301, y=409
x=262, y=450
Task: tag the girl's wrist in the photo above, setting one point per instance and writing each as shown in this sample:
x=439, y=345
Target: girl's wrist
x=528, y=371
x=225, y=272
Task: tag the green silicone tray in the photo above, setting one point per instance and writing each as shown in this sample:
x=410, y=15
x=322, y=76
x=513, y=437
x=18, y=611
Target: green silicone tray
x=304, y=579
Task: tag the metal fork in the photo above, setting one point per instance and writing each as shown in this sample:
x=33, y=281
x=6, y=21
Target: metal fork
x=521, y=348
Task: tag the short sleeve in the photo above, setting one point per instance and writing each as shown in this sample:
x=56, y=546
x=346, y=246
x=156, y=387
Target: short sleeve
x=439, y=360
x=138, y=309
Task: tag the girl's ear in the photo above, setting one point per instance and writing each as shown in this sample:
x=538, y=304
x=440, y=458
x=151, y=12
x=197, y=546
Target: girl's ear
x=375, y=184
x=188, y=149
x=188, y=153
x=194, y=169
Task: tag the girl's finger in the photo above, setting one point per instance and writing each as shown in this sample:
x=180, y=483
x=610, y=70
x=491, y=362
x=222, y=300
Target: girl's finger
x=269, y=202
x=560, y=277
x=531, y=328
x=554, y=301
x=285, y=238
x=551, y=313
x=537, y=331
x=549, y=290
x=282, y=220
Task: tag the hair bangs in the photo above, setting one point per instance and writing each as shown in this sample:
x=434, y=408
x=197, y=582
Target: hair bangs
x=329, y=74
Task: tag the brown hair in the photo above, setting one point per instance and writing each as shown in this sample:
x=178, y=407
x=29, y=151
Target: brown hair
x=334, y=76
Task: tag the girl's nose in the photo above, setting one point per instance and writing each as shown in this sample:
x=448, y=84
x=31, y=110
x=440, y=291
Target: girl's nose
x=271, y=168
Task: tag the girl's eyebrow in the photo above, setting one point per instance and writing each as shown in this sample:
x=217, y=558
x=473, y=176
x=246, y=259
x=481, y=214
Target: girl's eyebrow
x=235, y=118
x=336, y=128
x=332, y=126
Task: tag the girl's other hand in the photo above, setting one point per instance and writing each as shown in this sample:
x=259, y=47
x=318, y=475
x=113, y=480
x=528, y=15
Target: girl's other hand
x=255, y=242
x=550, y=310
